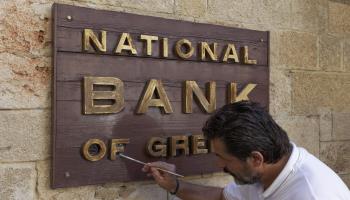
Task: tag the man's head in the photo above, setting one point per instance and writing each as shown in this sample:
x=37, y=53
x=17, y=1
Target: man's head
x=245, y=137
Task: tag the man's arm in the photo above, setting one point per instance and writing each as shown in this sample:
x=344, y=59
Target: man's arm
x=186, y=191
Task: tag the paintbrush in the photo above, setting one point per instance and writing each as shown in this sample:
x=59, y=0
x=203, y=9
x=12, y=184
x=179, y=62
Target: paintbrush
x=143, y=163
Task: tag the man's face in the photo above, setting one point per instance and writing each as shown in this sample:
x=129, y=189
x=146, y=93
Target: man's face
x=244, y=172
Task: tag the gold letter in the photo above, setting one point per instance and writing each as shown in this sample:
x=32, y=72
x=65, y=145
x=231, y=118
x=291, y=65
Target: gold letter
x=88, y=35
x=198, y=144
x=128, y=47
x=230, y=53
x=165, y=48
x=117, y=146
x=246, y=60
x=146, y=99
x=179, y=142
x=243, y=95
x=149, y=39
x=179, y=50
x=212, y=53
x=192, y=87
x=157, y=147
x=90, y=95
x=101, y=150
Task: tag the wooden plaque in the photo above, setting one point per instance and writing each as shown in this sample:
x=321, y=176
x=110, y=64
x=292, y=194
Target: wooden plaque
x=72, y=127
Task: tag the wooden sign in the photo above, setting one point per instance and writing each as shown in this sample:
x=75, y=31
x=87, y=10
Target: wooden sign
x=144, y=86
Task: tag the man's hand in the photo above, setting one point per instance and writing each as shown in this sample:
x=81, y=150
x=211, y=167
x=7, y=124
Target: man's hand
x=164, y=180
x=186, y=191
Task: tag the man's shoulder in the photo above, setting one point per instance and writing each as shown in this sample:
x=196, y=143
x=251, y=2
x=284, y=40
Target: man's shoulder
x=312, y=177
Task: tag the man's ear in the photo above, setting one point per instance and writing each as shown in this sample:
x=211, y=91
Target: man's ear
x=256, y=158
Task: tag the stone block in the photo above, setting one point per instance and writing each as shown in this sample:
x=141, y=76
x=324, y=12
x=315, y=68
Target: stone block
x=110, y=5
x=133, y=191
x=109, y=191
x=346, y=179
x=17, y=181
x=311, y=91
x=275, y=45
x=272, y=13
x=161, y=6
x=346, y=19
x=25, y=135
x=46, y=193
x=22, y=31
x=296, y=50
x=194, y=8
x=326, y=124
x=330, y=53
x=336, y=155
x=280, y=92
x=307, y=15
x=303, y=131
x=341, y=126
x=25, y=82
x=339, y=15
x=347, y=55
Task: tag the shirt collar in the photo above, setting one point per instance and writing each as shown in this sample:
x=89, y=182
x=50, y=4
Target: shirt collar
x=287, y=170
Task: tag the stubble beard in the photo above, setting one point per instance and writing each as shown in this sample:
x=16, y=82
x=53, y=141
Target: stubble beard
x=240, y=180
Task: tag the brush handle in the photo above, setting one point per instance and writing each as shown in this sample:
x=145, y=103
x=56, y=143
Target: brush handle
x=170, y=172
x=143, y=163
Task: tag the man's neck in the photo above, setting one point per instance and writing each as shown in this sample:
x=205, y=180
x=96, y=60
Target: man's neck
x=273, y=170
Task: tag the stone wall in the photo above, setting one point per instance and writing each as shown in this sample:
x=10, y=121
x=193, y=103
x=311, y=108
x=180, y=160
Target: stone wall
x=310, y=84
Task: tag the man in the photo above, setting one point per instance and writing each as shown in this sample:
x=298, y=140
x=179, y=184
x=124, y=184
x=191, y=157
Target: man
x=257, y=152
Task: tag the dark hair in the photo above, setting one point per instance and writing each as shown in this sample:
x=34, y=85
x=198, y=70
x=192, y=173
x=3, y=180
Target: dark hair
x=245, y=127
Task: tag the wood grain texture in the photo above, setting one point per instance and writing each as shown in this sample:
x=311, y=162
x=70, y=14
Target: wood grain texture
x=71, y=129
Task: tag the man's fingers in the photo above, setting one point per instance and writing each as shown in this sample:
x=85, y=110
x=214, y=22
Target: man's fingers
x=145, y=168
x=156, y=175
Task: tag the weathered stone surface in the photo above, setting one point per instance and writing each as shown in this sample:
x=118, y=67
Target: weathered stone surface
x=336, y=155
x=25, y=69
x=330, y=56
x=296, y=50
x=21, y=31
x=303, y=131
x=110, y=191
x=161, y=6
x=25, y=135
x=326, y=124
x=271, y=13
x=341, y=126
x=346, y=179
x=275, y=45
x=346, y=19
x=46, y=193
x=132, y=191
x=347, y=55
x=17, y=181
x=194, y=8
x=307, y=15
x=111, y=5
x=280, y=92
x=336, y=17
x=339, y=15
x=313, y=90
x=25, y=82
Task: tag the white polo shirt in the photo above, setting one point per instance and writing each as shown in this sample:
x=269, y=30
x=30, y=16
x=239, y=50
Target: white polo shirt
x=303, y=178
